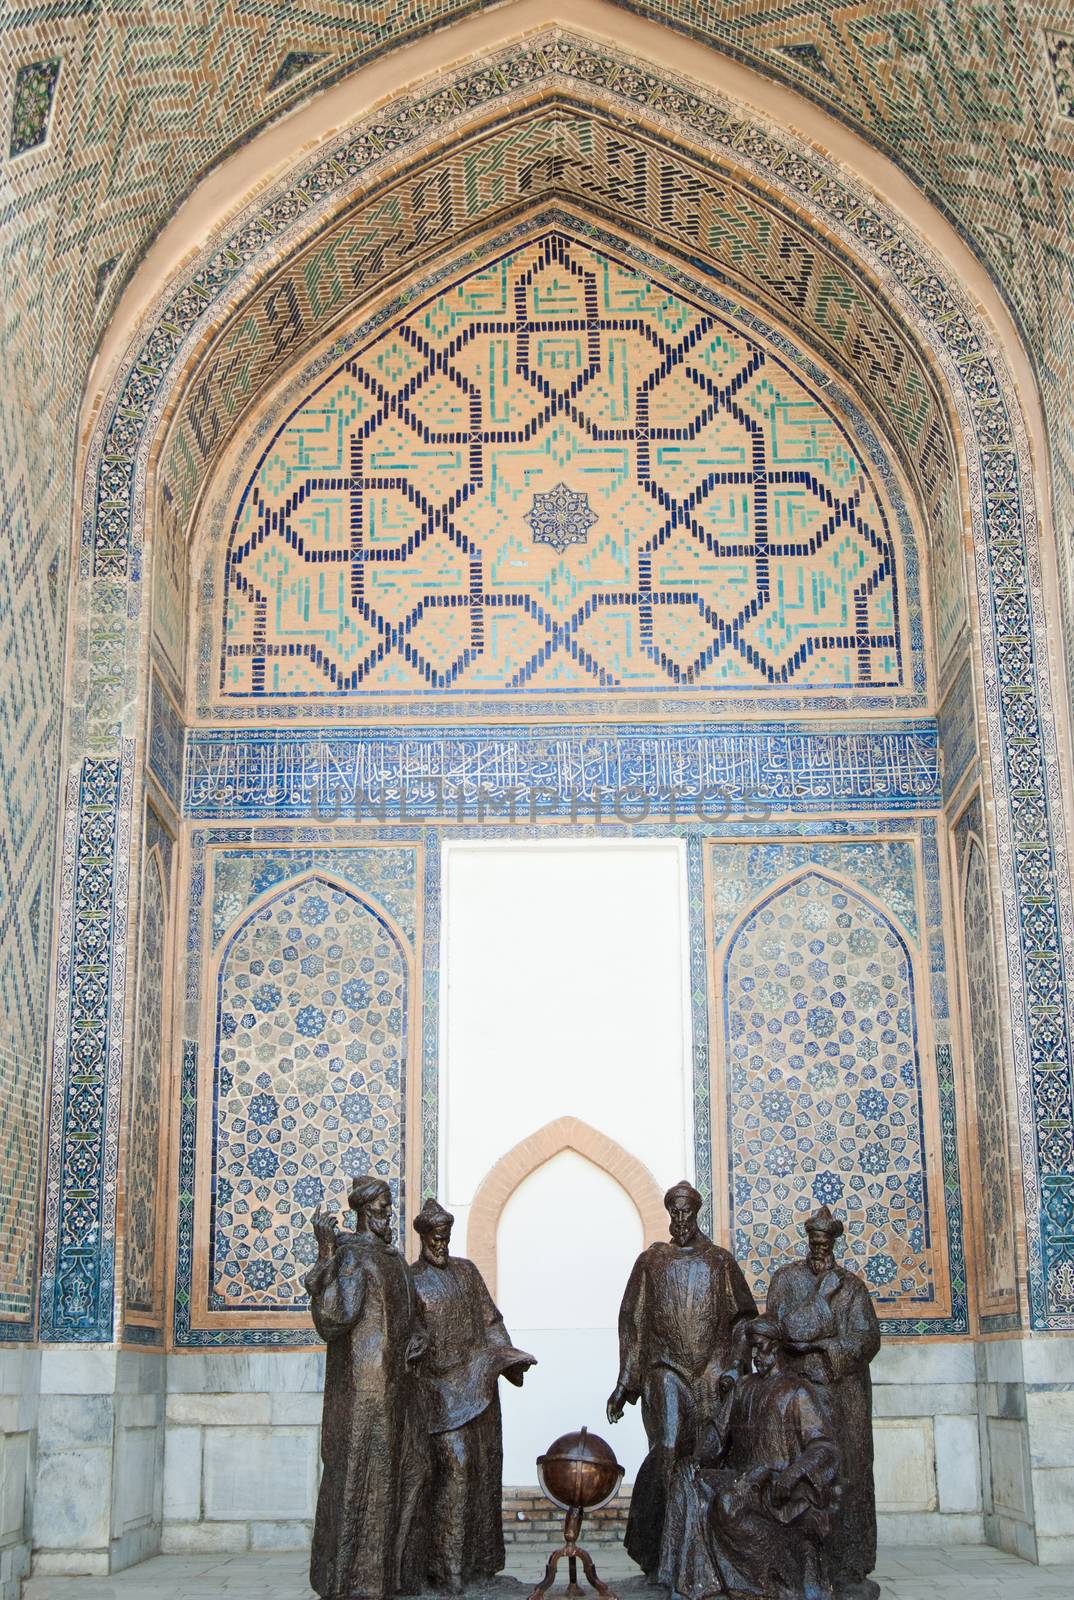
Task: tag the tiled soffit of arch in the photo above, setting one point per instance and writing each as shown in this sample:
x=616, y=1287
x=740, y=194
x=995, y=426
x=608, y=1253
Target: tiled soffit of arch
x=696, y=204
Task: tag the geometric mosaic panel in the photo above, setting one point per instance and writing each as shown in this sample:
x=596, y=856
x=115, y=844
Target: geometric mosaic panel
x=824, y=1092
x=311, y=1038
x=717, y=527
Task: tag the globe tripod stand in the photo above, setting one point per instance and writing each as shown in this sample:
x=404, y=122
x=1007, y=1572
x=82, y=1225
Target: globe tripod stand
x=572, y=1527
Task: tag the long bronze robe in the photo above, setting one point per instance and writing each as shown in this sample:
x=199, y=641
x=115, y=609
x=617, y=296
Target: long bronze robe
x=364, y=1306
x=839, y=1320
x=725, y=1531
x=468, y=1350
x=676, y=1336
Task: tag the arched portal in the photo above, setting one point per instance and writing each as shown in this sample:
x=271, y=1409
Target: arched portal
x=838, y=768
x=561, y=1303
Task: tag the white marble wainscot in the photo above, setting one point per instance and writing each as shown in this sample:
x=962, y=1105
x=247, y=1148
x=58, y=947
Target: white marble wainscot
x=100, y=1459
x=926, y=1436
x=20, y=1370
x=1048, y=1367
x=242, y=1450
x=1007, y=1480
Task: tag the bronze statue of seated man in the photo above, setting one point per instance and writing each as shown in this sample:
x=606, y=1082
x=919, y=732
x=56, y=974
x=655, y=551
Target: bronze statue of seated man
x=748, y=1516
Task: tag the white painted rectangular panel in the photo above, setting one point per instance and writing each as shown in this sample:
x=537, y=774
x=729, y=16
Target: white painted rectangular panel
x=567, y=1240
x=565, y=985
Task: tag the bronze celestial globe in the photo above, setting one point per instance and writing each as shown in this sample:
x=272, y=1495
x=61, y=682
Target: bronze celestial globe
x=579, y=1471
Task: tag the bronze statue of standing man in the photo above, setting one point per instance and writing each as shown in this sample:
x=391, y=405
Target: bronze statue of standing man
x=682, y=1304
x=832, y=1333
x=468, y=1351
x=364, y=1305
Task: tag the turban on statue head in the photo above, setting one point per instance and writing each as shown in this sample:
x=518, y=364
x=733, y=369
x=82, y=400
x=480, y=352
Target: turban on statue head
x=432, y=1215
x=366, y=1189
x=682, y=1190
x=824, y=1223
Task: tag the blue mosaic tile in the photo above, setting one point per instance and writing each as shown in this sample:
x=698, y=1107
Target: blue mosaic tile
x=35, y=86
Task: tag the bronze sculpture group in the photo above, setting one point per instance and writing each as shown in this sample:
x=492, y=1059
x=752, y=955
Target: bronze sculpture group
x=411, y=1437
x=758, y=1484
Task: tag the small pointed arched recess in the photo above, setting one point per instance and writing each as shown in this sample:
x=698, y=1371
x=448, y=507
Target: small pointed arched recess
x=512, y=1169
x=990, y=1193
x=146, y=1123
x=830, y=1087
x=309, y=1058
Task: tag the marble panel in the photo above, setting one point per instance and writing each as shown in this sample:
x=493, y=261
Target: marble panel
x=958, y=1463
x=260, y=1474
x=1009, y=1461
x=905, y=1469
x=73, y=1499
x=182, y=1474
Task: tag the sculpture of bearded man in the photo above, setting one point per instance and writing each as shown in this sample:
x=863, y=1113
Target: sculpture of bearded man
x=681, y=1327
x=468, y=1351
x=833, y=1335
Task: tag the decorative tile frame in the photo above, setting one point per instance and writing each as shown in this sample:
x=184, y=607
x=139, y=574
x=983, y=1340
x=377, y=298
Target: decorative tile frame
x=896, y=867
x=77, y=1276
x=365, y=867
x=1010, y=625
x=143, y=1324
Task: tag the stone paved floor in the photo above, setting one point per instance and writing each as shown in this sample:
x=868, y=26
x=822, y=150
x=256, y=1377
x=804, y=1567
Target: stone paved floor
x=904, y=1574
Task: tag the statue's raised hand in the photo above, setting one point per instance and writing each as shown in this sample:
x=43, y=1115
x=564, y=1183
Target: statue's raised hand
x=325, y=1229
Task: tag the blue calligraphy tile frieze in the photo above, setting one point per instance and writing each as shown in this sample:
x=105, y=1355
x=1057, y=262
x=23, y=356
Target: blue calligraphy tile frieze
x=557, y=771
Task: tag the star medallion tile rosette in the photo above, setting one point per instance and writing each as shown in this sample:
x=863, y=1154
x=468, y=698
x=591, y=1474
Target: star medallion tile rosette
x=560, y=518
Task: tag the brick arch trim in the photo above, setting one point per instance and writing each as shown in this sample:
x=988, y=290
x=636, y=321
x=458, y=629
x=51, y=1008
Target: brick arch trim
x=512, y=1170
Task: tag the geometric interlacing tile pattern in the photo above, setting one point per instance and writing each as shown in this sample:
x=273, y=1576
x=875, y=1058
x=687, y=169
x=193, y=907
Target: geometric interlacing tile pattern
x=394, y=536
x=824, y=1086
x=311, y=1026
